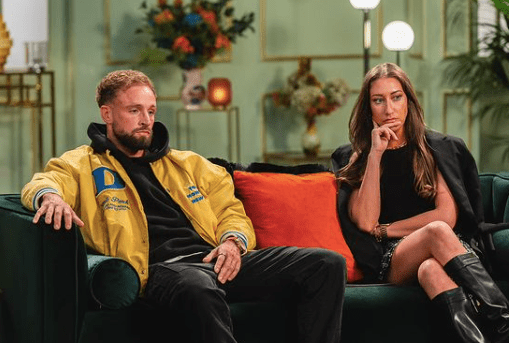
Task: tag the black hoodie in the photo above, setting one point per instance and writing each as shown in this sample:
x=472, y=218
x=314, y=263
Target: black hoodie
x=170, y=232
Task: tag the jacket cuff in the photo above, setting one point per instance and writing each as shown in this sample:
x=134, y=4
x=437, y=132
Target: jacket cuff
x=238, y=238
x=39, y=194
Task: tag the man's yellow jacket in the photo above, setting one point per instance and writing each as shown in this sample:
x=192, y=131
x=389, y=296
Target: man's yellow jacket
x=99, y=190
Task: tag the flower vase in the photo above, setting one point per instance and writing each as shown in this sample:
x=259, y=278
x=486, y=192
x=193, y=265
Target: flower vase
x=310, y=139
x=193, y=92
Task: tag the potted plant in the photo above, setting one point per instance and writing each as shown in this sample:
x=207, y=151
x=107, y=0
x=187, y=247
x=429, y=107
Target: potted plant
x=484, y=71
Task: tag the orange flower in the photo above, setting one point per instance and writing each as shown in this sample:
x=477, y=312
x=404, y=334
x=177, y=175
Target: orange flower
x=164, y=17
x=210, y=18
x=177, y=3
x=222, y=42
x=183, y=44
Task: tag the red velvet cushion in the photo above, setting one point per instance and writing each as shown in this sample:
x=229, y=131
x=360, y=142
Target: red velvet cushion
x=294, y=210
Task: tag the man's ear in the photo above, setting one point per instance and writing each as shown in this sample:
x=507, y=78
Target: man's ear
x=106, y=114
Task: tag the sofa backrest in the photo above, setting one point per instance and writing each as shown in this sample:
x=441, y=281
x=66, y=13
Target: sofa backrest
x=495, y=194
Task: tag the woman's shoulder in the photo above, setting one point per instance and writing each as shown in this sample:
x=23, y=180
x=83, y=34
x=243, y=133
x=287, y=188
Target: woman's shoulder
x=342, y=151
x=341, y=156
x=440, y=140
x=450, y=151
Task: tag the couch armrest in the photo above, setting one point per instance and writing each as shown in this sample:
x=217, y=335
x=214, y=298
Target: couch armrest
x=42, y=277
x=112, y=282
x=500, y=254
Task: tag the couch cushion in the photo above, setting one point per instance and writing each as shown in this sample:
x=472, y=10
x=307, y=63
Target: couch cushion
x=294, y=210
x=113, y=282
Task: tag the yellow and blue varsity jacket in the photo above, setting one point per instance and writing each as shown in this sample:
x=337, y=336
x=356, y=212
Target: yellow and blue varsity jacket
x=98, y=189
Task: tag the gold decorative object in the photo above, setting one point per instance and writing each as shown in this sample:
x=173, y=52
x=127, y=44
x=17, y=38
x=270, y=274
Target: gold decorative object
x=311, y=98
x=5, y=43
x=310, y=140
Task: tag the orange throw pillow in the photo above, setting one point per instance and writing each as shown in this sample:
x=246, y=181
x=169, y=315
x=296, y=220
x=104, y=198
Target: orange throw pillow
x=295, y=210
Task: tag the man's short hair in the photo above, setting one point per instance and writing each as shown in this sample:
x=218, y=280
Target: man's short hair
x=120, y=80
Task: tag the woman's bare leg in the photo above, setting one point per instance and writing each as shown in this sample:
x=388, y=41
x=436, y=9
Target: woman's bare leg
x=421, y=256
x=433, y=279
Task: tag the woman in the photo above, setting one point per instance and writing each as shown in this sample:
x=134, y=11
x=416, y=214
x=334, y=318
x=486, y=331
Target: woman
x=410, y=189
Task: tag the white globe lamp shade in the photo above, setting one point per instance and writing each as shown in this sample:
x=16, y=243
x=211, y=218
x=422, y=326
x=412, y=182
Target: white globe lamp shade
x=364, y=4
x=398, y=36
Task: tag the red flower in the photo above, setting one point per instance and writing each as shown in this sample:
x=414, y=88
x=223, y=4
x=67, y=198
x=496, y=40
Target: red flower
x=162, y=3
x=311, y=112
x=164, y=17
x=222, y=42
x=322, y=101
x=182, y=44
x=210, y=18
x=177, y=3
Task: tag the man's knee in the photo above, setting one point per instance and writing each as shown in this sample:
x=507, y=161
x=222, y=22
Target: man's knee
x=183, y=283
x=333, y=260
x=328, y=263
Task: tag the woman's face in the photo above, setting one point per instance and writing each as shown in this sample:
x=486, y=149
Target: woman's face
x=389, y=104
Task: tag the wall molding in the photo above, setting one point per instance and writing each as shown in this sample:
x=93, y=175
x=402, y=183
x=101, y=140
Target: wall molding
x=445, y=24
x=449, y=93
x=420, y=36
x=266, y=57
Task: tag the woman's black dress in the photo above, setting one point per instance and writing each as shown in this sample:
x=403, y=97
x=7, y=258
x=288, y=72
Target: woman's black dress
x=399, y=199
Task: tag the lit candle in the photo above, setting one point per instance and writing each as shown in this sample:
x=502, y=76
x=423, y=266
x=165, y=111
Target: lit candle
x=219, y=92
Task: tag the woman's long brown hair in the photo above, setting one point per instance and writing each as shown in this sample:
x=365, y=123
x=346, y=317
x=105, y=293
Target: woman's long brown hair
x=361, y=125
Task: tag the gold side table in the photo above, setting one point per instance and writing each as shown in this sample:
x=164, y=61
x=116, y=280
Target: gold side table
x=232, y=114
x=36, y=91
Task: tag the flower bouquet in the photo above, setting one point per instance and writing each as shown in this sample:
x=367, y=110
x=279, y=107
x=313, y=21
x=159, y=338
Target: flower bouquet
x=192, y=34
x=309, y=96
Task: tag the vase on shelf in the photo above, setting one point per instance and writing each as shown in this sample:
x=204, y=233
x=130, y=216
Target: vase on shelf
x=193, y=93
x=310, y=139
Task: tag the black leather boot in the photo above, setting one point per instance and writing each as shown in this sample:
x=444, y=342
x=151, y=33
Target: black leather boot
x=468, y=272
x=460, y=311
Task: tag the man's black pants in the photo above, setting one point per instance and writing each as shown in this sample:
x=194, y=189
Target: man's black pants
x=313, y=280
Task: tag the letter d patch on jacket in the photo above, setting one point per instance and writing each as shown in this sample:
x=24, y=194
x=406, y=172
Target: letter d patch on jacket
x=106, y=178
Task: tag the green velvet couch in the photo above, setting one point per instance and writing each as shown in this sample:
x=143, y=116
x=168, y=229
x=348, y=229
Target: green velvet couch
x=46, y=279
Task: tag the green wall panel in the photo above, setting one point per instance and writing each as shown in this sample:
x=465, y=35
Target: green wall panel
x=90, y=38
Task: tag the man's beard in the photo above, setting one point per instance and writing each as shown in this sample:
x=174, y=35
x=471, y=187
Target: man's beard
x=130, y=142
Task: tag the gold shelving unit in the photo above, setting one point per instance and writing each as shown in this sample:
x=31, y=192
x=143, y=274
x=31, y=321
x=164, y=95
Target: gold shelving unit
x=37, y=92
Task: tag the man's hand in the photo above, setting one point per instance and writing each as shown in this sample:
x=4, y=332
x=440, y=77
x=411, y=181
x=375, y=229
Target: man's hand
x=54, y=207
x=228, y=260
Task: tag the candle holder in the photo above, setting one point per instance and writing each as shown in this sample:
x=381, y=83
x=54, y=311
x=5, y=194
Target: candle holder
x=36, y=56
x=219, y=92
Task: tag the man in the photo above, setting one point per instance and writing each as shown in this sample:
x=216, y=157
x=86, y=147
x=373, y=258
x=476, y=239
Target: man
x=173, y=216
